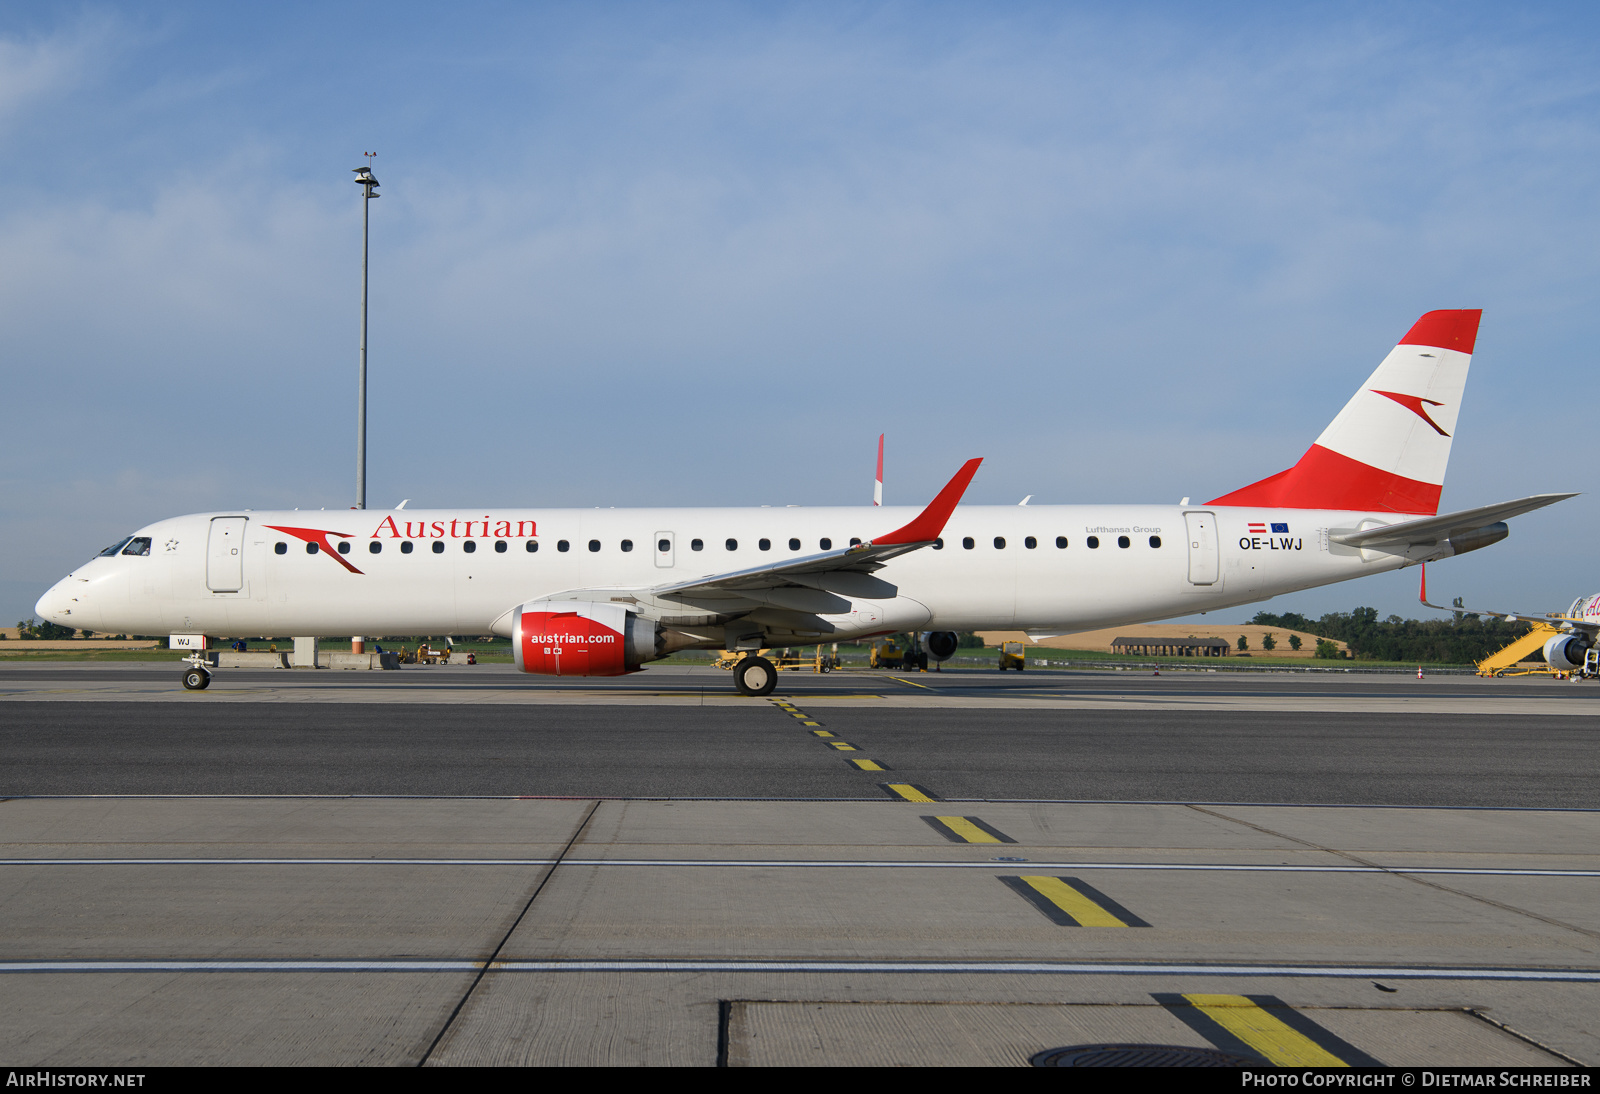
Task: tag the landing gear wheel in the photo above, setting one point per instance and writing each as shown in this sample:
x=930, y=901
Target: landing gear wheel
x=197, y=679
x=755, y=676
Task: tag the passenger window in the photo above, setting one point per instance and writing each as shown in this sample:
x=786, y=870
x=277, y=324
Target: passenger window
x=594, y=546
x=115, y=547
x=794, y=545
x=311, y=548
x=344, y=546
x=1030, y=543
x=499, y=546
x=854, y=542
x=968, y=543
x=1123, y=541
x=938, y=544
x=533, y=546
x=1061, y=542
x=406, y=547
x=374, y=547
x=138, y=545
x=1155, y=541
x=765, y=545
x=999, y=543
x=627, y=545
x=697, y=545
x=280, y=548
x=663, y=545
x=470, y=546
x=825, y=543
x=438, y=546
x=1093, y=542
x=563, y=546
x=732, y=545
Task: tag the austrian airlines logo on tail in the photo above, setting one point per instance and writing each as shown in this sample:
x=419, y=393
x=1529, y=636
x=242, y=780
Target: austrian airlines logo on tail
x=1414, y=403
x=320, y=538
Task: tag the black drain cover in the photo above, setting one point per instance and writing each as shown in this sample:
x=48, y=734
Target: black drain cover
x=1138, y=1056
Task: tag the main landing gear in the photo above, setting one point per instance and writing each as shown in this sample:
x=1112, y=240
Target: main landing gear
x=755, y=676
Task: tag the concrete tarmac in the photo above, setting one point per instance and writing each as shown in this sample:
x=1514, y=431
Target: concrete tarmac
x=405, y=868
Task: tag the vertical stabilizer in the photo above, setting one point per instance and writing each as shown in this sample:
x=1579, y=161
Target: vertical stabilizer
x=1388, y=448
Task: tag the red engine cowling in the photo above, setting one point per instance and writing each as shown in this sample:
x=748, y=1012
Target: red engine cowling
x=577, y=638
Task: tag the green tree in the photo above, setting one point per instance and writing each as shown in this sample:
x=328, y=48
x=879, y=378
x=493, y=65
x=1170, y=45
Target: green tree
x=1244, y=643
x=1294, y=642
x=1268, y=642
x=1327, y=650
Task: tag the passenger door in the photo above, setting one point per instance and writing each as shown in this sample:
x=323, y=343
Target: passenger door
x=1204, y=559
x=225, y=555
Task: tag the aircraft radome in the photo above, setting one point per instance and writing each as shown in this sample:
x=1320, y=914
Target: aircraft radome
x=599, y=592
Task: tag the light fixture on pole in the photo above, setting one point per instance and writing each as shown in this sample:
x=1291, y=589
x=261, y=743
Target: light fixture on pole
x=369, y=185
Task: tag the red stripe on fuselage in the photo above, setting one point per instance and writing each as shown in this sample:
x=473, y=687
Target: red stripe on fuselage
x=1323, y=479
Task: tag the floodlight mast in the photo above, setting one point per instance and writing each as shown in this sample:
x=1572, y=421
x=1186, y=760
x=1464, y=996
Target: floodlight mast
x=369, y=185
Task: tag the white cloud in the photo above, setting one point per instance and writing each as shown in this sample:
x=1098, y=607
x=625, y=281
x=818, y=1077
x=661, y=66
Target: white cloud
x=37, y=68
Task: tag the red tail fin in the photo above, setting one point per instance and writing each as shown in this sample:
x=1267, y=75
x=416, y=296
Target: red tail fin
x=1388, y=448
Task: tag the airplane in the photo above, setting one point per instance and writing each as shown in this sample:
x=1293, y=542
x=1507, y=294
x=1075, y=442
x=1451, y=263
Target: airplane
x=1569, y=649
x=600, y=592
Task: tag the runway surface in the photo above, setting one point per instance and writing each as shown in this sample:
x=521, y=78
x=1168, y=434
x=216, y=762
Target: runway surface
x=1180, y=737
x=463, y=865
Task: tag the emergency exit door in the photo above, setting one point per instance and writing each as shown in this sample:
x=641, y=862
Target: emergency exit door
x=1204, y=559
x=666, y=544
x=225, y=555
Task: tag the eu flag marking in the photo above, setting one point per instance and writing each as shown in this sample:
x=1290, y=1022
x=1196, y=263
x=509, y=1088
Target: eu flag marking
x=1284, y=528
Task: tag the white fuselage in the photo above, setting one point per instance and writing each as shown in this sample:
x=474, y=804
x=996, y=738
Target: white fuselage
x=232, y=574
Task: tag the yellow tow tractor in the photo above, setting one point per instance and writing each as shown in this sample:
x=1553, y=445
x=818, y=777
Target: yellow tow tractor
x=1013, y=655
x=887, y=654
x=784, y=660
x=431, y=655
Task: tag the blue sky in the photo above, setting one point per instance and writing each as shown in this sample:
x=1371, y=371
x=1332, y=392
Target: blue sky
x=704, y=253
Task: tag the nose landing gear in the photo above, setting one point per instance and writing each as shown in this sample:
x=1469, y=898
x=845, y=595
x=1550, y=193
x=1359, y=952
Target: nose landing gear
x=197, y=677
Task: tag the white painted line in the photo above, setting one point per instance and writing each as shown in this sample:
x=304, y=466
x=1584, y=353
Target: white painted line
x=1387, y=972
x=833, y=864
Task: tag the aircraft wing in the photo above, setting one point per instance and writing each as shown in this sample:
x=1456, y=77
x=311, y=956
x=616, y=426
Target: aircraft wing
x=1589, y=625
x=1433, y=529
x=862, y=558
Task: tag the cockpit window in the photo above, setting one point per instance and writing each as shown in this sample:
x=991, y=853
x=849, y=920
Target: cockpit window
x=115, y=547
x=138, y=545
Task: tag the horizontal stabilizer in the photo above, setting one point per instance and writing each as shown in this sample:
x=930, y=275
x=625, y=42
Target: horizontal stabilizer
x=1433, y=529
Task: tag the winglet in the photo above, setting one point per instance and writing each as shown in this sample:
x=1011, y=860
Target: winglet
x=931, y=521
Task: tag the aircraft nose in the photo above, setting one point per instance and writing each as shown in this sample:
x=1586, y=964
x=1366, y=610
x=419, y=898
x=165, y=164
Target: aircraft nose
x=60, y=605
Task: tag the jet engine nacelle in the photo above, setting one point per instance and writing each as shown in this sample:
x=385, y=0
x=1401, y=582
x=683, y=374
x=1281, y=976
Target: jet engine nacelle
x=1478, y=538
x=1566, y=651
x=578, y=638
x=941, y=644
